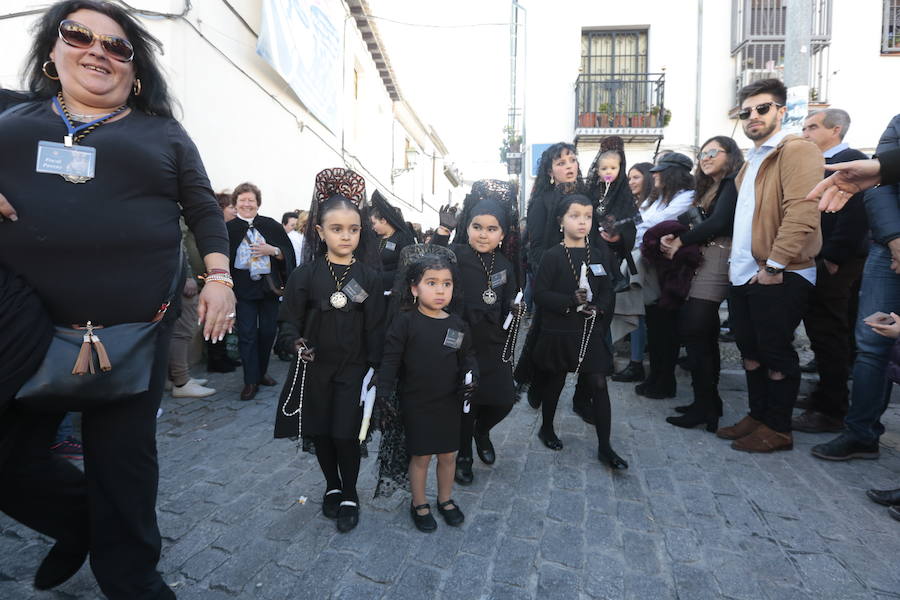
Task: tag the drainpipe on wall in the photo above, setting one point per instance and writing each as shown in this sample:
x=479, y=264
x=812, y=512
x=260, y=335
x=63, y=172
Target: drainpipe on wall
x=698, y=95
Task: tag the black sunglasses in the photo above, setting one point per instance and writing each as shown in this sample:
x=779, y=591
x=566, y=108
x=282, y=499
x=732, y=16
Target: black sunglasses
x=711, y=153
x=760, y=109
x=77, y=35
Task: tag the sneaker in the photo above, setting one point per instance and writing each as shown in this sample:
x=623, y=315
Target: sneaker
x=170, y=385
x=192, y=390
x=68, y=448
x=845, y=447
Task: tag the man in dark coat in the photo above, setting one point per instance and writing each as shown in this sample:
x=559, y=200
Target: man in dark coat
x=832, y=308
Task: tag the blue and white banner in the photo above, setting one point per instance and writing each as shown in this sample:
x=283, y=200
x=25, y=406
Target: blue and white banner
x=303, y=41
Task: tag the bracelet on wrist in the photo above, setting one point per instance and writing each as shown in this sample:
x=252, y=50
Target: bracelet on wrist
x=218, y=272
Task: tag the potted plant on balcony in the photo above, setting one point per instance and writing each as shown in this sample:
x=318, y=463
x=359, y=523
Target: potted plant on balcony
x=602, y=116
x=655, y=116
x=512, y=143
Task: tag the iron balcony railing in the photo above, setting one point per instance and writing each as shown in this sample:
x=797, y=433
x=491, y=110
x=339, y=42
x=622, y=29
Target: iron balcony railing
x=631, y=100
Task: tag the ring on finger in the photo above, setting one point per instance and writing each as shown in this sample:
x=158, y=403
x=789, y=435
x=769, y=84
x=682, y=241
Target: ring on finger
x=230, y=316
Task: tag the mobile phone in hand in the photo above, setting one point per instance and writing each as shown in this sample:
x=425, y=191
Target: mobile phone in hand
x=879, y=318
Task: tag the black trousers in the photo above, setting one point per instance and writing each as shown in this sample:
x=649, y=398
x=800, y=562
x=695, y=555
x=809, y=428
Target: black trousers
x=112, y=505
x=662, y=346
x=257, y=325
x=763, y=319
x=829, y=326
x=698, y=327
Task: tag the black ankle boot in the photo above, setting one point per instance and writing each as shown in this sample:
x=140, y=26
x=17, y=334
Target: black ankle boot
x=692, y=419
x=686, y=408
x=464, y=475
x=633, y=372
x=59, y=566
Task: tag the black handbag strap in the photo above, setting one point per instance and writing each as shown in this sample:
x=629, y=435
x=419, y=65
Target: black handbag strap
x=170, y=295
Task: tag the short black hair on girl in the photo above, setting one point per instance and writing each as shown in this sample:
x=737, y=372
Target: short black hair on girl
x=154, y=98
x=567, y=201
x=416, y=271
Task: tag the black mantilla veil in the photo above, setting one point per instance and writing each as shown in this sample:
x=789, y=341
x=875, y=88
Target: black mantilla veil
x=341, y=187
x=382, y=209
x=500, y=199
x=610, y=198
x=393, y=457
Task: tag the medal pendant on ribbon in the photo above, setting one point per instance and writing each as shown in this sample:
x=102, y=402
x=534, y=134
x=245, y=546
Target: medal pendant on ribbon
x=338, y=300
x=489, y=296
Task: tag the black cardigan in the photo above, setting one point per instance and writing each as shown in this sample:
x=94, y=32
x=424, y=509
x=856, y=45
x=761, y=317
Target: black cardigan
x=845, y=234
x=720, y=221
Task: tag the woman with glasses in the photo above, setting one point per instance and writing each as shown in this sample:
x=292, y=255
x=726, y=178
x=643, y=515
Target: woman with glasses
x=101, y=243
x=710, y=221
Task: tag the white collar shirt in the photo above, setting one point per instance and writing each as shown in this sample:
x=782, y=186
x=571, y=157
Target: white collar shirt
x=656, y=213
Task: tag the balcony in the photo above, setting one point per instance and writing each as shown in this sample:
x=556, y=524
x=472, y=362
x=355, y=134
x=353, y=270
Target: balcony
x=630, y=105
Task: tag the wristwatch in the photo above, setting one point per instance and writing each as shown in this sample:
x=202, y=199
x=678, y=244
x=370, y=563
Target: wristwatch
x=277, y=251
x=773, y=270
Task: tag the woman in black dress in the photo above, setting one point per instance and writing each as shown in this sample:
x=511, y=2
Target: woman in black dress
x=486, y=249
x=106, y=250
x=430, y=352
x=575, y=297
x=331, y=319
x=394, y=235
x=257, y=240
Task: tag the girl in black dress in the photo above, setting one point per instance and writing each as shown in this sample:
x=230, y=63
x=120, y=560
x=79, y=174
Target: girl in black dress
x=574, y=294
x=430, y=351
x=394, y=235
x=331, y=318
x=486, y=249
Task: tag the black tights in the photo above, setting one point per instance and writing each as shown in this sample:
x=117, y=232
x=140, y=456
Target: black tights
x=550, y=385
x=481, y=419
x=339, y=461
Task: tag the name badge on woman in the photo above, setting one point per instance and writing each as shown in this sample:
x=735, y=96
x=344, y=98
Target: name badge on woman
x=355, y=292
x=498, y=278
x=390, y=246
x=597, y=270
x=75, y=164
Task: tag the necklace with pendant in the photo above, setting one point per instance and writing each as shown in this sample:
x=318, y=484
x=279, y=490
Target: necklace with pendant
x=489, y=295
x=339, y=299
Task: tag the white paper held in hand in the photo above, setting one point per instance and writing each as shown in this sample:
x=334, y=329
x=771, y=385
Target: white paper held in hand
x=367, y=401
x=467, y=381
x=509, y=317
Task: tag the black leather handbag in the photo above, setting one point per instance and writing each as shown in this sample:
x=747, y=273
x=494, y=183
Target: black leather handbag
x=692, y=217
x=69, y=379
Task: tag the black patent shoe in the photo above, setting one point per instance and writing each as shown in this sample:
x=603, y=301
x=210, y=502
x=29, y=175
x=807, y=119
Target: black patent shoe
x=58, y=567
x=464, y=475
x=452, y=516
x=633, y=372
x=885, y=497
x=424, y=523
x=689, y=421
x=348, y=516
x=485, y=448
x=331, y=503
x=611, y=459
x=550, y=440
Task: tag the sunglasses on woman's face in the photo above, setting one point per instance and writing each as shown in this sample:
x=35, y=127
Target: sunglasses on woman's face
x=711, y=153
x=77, y=35
x=760, y=109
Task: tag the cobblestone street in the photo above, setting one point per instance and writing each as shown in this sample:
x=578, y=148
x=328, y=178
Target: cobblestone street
x=691, y=519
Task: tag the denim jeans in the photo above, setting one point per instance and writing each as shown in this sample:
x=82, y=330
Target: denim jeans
x=880, y=291
x=639, y=340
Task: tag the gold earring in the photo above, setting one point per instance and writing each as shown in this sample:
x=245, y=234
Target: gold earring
x=136, y=88
x=47, y=73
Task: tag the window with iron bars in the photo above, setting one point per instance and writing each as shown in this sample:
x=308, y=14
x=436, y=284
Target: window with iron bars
x=890, y=33
x=757, y=43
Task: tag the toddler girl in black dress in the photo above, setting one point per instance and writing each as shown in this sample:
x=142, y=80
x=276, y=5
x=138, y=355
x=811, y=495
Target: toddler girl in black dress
x=332, y=320
x=430, y=352
x=574, y=295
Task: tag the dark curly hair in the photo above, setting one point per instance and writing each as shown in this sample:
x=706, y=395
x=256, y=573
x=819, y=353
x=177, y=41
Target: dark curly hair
x=542, y=181
x=672, y=180
x=415, y=272
x=154, y=98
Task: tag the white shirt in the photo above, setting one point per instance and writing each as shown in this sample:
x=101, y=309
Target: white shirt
x=297, y=242
x=835, y=149
x=742, y=266
x=657, y=212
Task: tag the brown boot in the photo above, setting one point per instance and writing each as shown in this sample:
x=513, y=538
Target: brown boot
x=811, y=421
x=764, y=439
x=745, y=426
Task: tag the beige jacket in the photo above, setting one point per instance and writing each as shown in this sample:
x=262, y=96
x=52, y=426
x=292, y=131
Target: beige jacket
x=786, y=226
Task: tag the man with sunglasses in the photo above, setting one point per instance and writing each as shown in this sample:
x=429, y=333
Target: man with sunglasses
x=832, y=309
x=772, y=268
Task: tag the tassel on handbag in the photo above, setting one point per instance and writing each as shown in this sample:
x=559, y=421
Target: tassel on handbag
x=84, y=364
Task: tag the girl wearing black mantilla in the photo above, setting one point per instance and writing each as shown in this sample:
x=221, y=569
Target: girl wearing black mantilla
x=428, y=357
x=487, y=252
x=574, y=295
x=394, y=234
x=332, y=320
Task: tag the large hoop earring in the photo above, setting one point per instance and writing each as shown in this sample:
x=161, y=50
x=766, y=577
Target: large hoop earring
x=47, y=73
x=136, y=87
